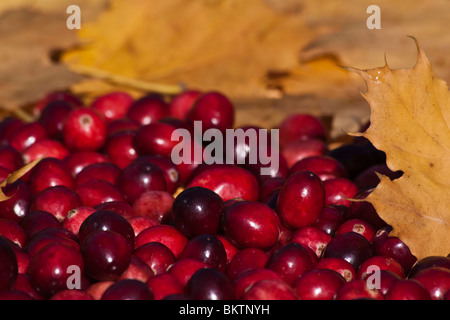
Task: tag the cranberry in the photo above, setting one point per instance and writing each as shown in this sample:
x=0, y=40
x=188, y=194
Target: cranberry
x=324, y=166
x=183, y=269
x=107, y=255
x=49, y=172
x=214, y=110
x=163, y=285
x=273, y=172
x=138, y=177
x=94, y=192
x=358, y=289
x=119, y=125
x=365, y=211
x=43, y=238
x=8, y=127
x=57, y=200
x=251, y=224
x=383, y=263
x=10, y=158
x=13, y=231
x=301, y=200
x=23, y=284
x=313, y=237
x=171, y=174
x=230, y=248
x=97, y=289
x=18, y=205
x=57, y=96
x=105, y=171
x=74, y=218
x=148, y=109
x=156, y=255
x=436, y=280
x=128, y=289
x=84, y=129
x=140, y=223
x=71, y=294
x=299, y=149
x=248, y=278
x=228, y=181
x=206, y=248
x=137, y=269
x=48, y=268
x=428, y=262
x=78, y=160
x=246, y=259
x=394, y=248
x=270, y=187
x=120, y=148
x=318, y=284
x=166, y=234
x=270, y=289
x=407, y=290
x=358, y=226
x=45, y=148
x=155, y=138
x=38, y=220
x=154, y=204
x=197, y=210
x=120, y=207
x=330, y=219
x=182, y=103
x=386, y=280
x=339, y=191
x=8, y=266
x=301, y=126
x=290, y=261
x=52, y=117
x=113, y=105
x=28, y=134
x=106, y=221
x=209, y=284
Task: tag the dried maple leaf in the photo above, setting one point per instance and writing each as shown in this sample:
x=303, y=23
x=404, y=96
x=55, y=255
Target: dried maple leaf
x=410, y=119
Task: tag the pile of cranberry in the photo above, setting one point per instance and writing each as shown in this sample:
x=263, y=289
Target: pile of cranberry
x=107, y=215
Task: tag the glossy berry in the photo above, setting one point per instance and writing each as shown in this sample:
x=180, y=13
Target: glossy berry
x=436, y=280
x=339, y=191
x=27, y=135
x=358, y=226
x=53, y=115
x=313, y=237
x=324, y=166
x=299, y=149
x=155, y=138
x=197, y=210
x=49, y=172
x=206, y=248
x=120, y=148
x=154, y=204
x=209, y=284
x=383, y=263
x=113, y=105
x=94, y=192
x=429, y=262
x=36, y=221
x=183, y=269
x=128, y=289
x=407, y=289
x=57, y=200
x=270, y=289
x=45, y=148
x=246, y=259
x=165, y=234
x=301, y=126
x=105, y=171
x=318, y=284
x=17, y=206
x=156, y=255
x=182, y=103
x=148, y=109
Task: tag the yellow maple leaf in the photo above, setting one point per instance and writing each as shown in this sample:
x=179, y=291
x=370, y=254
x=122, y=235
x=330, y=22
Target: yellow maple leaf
x=410, y=118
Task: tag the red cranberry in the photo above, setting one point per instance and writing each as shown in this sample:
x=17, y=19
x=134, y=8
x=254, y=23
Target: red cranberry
x=163, y=285
x=155, y=138
x=428, y=262
x=273, y=172
x=251, y=224
x=358, y=289
x=58, y=200
x=436, y=280
x=330, y=219
x=209, y=284
x=120, y=207
x=84, y=129
x=8, y=126
x=394, y=248
x=137, y=269
x=13, y=231
x=45, y=148
x=206, y=248
x=28, y=134
x=358, y=226
x=313, y=237
x=49, y=172
x=71, y=294
x=106, y=221
x=105, y=171
x=75, y=218
x=325, y=167
x=301, y=200
x=42, y=239
x=183, y=269
x=38, y=220
x=17, y=206
x=156, y=255
x=154, y=204
x=106, y=254
x=182, y=103
x=95, y=192
x=290, y=261
x=78, y=160
x=8, y=266
x=318, y=284
x=301, y=126
x=214, y=110
x=148, y=109
x=270, y=289
x=170, y=171
x=246, y=259
x=120, y=148
x=113, y=105
x=10, y=158
x=339, y=191
x=48, y=268
x=350, y=246
x=140, y=223
x=386, y=280
x=196, y=211
x=406, y=289
x=248, y=278
x=57, y=96
x=128, y=289
x=23, y=284
x=165, y=234
x=383, y=263
x=228, y=181
x=119, y=125
x=230, y=249
x=52, y=117
x=138, y=177
x=299, y=149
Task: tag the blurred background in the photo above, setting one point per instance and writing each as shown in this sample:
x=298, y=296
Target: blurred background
x=271, y=57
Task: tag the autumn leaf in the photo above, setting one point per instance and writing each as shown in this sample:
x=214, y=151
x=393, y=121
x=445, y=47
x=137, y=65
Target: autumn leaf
x=410, y=119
